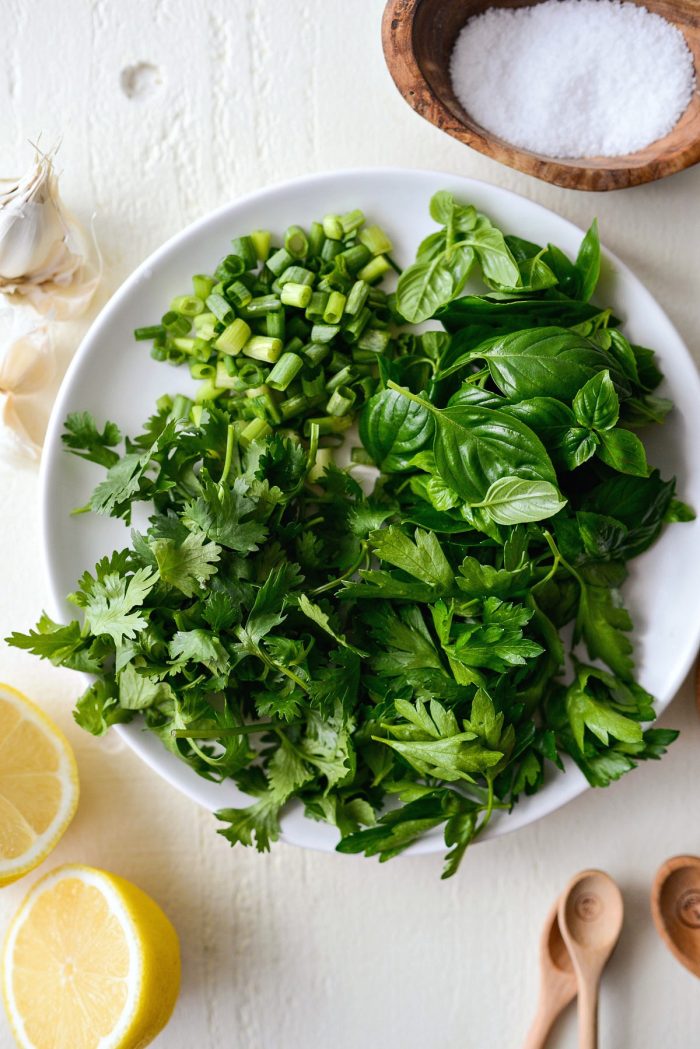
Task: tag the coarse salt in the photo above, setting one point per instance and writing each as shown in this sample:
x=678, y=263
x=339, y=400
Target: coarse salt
x=573, y=78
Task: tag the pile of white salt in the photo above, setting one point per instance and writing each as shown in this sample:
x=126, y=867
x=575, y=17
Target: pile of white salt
x=573, y=78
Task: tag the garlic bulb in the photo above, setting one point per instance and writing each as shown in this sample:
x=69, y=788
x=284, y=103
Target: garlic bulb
x=26, y=367
x=43, y=250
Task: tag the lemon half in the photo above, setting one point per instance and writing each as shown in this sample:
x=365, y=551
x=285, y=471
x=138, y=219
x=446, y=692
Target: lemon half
x=38, y=785
x=90, y=962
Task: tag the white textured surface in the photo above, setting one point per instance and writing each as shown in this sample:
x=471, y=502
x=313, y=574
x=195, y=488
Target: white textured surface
x=168, y=109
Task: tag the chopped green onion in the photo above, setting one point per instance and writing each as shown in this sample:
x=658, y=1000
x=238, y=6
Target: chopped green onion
x=317, y=305
x=207, y=391
x=205, y=325
x=338, y=361
x=315, y=352
x=202, y=285
x=334, y=309
x=375, y=269
x=256, y=430
x=324, y=332
x=313, y=385
x=244, y=248
x=250, y=374
x=187, y=305
x=186, y=345
x=151, y=331
x=356, y=257
x=296, y=242
x=181, y=406
x=340, y=401
x=293, y=406
x=274, y=324
x=221, y=309
x=239, y=293
x=175, y=323
x=261, y=243
x=316, y=238
x=263, y=348
x=158, y=352
x=234, y=337
x=293, y=294
x=297, y=275
x=328, y=424
x=202, y=370
x=333, y=227
x=354, y=328
x=196, y=412
x=330, y=249
x=225, y=379
x=375, y=340
x=164, y=403
x=258, y=306
x=285, y=371
x=357, y=297
x=294, y=345
x=375, y=239
x=278, y=262
x=351, y=221
x=230, y=267
x=341, y=377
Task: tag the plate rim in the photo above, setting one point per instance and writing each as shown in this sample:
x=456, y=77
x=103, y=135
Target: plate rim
x=575, y=783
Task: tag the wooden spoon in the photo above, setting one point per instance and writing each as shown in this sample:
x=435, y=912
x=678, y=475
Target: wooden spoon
x=675, y=907
x=557, y=981
x=590, y=919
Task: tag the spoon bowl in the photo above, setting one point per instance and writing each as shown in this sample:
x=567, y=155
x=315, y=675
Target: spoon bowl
x=418, y=37
x=675, y=908
x=590, y=918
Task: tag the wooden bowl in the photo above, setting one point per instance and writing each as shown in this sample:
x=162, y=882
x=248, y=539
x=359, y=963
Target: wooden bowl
x=418, y=37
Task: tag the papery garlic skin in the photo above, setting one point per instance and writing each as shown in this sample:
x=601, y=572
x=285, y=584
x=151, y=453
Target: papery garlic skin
x=43, y=250
x=27, y=366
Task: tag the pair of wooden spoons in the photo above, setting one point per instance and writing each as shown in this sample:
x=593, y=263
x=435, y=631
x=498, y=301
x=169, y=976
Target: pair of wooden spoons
x=579, y=936
x=583, y=928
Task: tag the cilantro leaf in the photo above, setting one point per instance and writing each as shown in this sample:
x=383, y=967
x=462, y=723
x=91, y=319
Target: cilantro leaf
x=114, y=607
x=187, y=565
x=84, y=439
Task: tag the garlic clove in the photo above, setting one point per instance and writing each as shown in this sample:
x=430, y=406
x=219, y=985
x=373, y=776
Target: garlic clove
x=44, y=257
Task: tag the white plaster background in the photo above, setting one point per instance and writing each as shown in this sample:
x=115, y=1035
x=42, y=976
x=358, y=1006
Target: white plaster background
x=302, y=950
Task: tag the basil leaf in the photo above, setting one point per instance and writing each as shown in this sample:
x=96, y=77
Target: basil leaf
x=498, y=267
x=641, y=503
x=549, y=418
x=445, y=210
x=596, y=404
x=588, y=262
x=564, y=270
x=475, y=446
x=431, y=282
x=577, y=446
x=393, y=429
x=545, y=362
x=511, y=501
x=603, y=537
x=623, y=451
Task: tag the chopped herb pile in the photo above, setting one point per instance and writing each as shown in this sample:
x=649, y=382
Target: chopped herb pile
x=394, y=660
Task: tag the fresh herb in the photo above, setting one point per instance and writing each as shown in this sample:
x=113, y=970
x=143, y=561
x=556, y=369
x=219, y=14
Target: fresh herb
x=393, y=660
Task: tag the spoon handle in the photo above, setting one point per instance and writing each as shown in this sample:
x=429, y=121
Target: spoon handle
x=552, y=1001
x=541, y=1026
x=588, y=1014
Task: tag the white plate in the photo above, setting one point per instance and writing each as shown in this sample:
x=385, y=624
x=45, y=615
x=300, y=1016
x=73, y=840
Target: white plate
x=114, y=377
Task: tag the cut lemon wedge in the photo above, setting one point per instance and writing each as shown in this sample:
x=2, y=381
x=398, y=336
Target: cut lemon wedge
x=38, y=785
x=90, y=962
